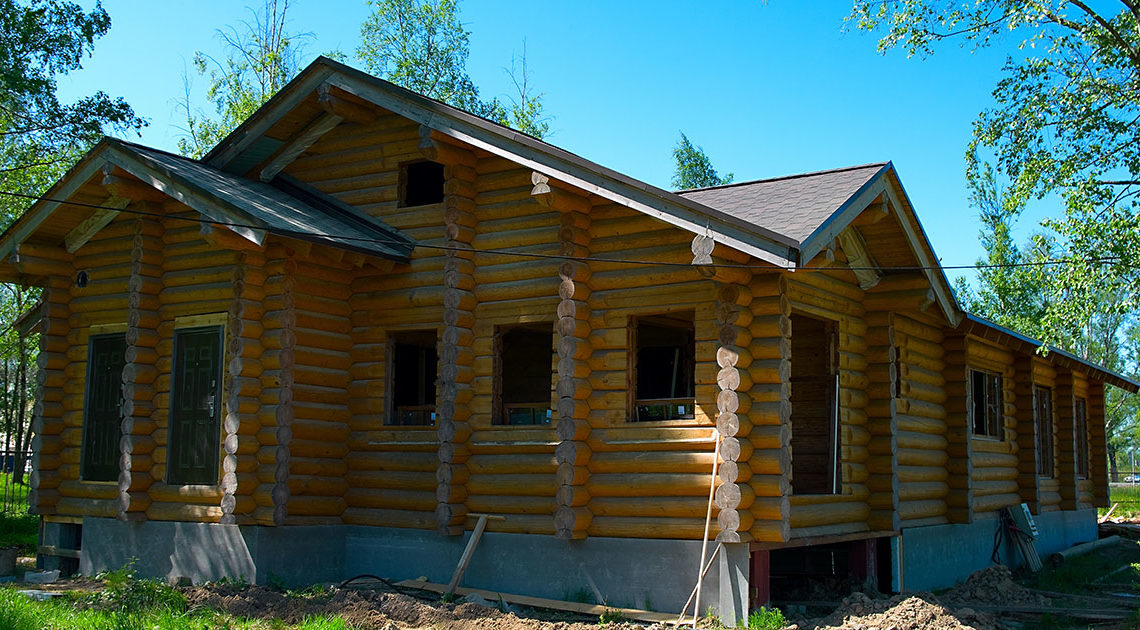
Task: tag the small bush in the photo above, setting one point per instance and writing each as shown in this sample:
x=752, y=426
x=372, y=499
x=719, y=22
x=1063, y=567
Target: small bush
x=126, y=593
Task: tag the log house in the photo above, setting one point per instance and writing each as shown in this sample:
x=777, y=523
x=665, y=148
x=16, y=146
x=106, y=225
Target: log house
x=366, y=315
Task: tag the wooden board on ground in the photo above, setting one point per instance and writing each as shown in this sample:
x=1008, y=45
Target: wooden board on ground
x=539, y=602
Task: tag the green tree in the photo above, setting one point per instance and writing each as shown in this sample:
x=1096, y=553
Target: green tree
x=694, y=169
x=1064, y=122
x=261, y=57
x=422, y=45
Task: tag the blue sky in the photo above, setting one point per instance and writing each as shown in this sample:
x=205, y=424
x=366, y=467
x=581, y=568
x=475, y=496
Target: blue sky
x=766, y=88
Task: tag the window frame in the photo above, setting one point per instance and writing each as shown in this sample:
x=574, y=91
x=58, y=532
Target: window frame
x=173, y=475
x=1043, y=401
x=993, y=427
x=661, y=320
x=501, y=410
x=403, y=338
x=85, y=473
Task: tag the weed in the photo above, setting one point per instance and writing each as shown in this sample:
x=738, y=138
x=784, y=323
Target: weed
x=712, y=620
x=582, y=596
x=316, y=591
x=765, y=619
x=447, y=598
x=275, y=582
x=240, y=583
x=610, y=615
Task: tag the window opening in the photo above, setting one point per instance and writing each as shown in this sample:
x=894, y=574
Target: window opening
x=414, y=366
x=1081, y=425
x=523, y=375
x=1043, y=418
x=195, y=406
x=815, y=405
x=102, y=426
x=422, y=183
x=665, y=365
x=986, y=403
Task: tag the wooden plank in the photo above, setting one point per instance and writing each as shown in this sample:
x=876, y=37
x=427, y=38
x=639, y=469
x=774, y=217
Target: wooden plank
x=298, y=144
x=31, y=220
x=540, y=602
x=98, y=220
x=52, y=550
x=465, y=559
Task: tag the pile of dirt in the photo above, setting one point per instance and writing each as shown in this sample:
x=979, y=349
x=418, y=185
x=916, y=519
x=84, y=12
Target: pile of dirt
x=993, y=586
x=918, y=611
x=369, y=609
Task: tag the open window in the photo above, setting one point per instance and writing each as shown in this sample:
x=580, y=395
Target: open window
x=665, y=351
x=195, y=406
x=1081, y=426
x=523, y=383
x=421, y=183
x=815, y=405
x=1043, y=419
x=986, y=409
x=101, y=421
x=413, y=377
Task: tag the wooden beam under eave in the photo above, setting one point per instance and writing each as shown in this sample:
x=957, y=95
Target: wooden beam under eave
x=298, y=144
x=352, y=112
x=90, y=226
x=555, y=198
x=859, y=259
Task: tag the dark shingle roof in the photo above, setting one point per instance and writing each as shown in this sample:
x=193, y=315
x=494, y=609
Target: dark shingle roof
x=794, y=206
x=286, y=208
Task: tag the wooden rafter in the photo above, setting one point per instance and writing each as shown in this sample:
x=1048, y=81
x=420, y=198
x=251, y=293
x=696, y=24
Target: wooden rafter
x=299, y=143
x=98, y=220
x=352, y=112
x=862, y=265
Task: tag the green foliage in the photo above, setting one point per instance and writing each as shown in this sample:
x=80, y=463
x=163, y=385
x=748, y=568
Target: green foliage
x=422, y=45
x=261, y=58
x=125, y=592
x=1063, y=122
x=610, y=615
x=275, y=582
x=693, y=167
x=765, y=619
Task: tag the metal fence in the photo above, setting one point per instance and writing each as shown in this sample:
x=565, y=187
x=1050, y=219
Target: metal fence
x=13, y=496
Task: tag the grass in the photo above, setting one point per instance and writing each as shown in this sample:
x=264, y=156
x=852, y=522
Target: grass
x=1128, y=496
x=1076, y=574
x=18, y=612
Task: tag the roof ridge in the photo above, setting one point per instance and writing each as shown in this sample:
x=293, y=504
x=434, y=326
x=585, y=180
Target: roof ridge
x=829, y=171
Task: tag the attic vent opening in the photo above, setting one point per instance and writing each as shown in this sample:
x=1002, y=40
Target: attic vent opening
x=421, y=183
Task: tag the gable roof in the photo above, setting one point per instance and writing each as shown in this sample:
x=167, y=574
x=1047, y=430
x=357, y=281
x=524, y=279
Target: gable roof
x=794, y=206
x=249, y=208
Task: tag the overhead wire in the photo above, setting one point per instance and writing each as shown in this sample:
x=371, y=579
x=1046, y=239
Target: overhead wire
x=538, y=255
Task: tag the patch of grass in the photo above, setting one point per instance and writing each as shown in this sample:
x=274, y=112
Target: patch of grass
x=126, y=593
x=17, y=527
x=1077, y=573
x=765, y=619
x=18, y=612
x=610, y=615
x=1128, y=496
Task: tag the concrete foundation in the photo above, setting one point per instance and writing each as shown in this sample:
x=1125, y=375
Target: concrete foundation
x=638, y=573
x=940, y=556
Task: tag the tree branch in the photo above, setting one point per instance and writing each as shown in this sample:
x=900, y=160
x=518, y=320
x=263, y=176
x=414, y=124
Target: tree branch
x=1106, y=25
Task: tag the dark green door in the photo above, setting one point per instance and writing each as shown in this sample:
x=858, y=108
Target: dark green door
x=101, y=422
x=195, y=406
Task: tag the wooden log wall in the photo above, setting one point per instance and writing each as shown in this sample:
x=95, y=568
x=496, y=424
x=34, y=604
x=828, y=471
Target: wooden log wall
x=1063, y=415
x=995, y=460
x=1098, y=445
x=764, y=454
x=734, y=497
x=455, y=355
x=278, y=375
x=1026, y=432
x=924, y=437
x=47, y=415
x=103, y=304
x=960, y=447
x=196, y=280
x=883, y=377
x=242, y=387
x=836, y=296
x=140, y=371
x=573, y=516
x=316, y=304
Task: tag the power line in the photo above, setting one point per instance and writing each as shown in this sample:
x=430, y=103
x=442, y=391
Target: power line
x=1102, y=260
